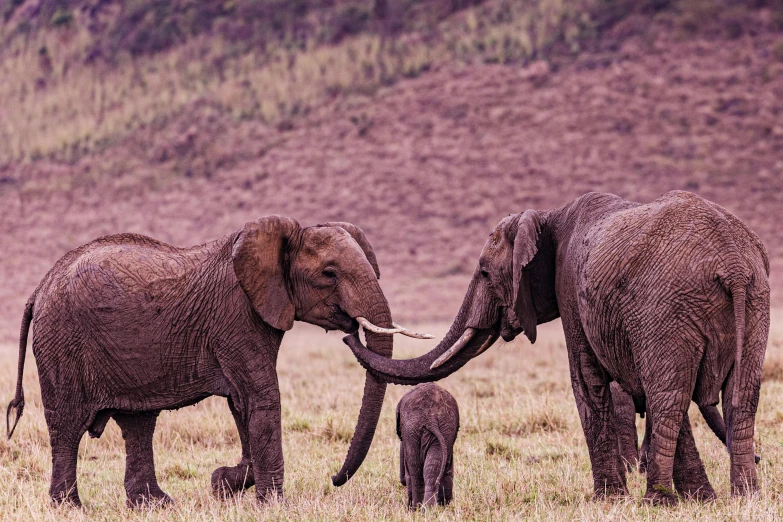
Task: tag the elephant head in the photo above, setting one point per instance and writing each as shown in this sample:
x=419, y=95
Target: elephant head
x=325, y=275
x=512, y=290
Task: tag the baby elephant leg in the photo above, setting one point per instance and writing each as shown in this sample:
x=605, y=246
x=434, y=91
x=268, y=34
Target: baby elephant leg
x=141, y=486
x=433, y=462
x=414, y=478
x=402, y=463
x=447, y=485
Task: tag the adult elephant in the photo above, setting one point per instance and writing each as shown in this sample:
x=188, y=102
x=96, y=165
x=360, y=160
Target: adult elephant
x=670, y=299
x=127, y=326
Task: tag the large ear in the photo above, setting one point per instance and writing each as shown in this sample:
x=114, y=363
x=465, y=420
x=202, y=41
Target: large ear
x=525, y=248
x=258, y=258
x=358, y=235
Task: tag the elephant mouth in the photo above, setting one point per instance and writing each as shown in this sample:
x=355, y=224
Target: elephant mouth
x=339, y=320
x=509, y=327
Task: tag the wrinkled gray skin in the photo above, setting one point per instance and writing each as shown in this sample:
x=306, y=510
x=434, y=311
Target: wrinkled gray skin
x=628, y=441
x=127, y=326
x=654, y=296
x=427, y=425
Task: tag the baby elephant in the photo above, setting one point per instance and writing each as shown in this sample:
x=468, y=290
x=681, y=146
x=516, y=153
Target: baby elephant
x=427, y=425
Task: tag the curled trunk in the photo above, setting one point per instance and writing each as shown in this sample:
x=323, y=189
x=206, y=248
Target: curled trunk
x=414, y=371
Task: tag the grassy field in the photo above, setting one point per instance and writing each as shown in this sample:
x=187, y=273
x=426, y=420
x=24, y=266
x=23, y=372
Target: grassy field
x=520, y=452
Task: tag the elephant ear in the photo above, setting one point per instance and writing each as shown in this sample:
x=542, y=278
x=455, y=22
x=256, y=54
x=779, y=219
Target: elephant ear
x=358, y=235
x=525, y=248
x=259, y=257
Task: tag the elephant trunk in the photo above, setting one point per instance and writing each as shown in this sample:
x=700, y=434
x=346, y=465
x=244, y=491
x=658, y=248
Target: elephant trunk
x=374, y=392
x=414, y=371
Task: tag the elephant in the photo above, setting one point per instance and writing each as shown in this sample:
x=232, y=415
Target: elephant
x=127, y=326
x=628, y=441
x=427, y=426
x=670, y=299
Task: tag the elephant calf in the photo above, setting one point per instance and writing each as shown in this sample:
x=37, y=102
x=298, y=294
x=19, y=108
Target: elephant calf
x=427, y=425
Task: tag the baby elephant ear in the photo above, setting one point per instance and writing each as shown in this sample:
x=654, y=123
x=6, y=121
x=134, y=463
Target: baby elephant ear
x=358, y=235
x=525, y=248
x=259, y=257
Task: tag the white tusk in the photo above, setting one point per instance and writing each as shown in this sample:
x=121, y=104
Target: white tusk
x=459, y=345
x=410, y=333
x=377, y=329
x=490, y=340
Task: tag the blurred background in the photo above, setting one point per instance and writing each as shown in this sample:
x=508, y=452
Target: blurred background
x=424, y=122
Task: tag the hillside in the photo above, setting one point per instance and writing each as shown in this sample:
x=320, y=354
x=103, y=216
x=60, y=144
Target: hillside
x=660, y=98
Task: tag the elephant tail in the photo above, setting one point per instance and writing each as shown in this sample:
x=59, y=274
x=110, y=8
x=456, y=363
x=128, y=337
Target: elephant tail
x=444, y=454
x=738, y=294
x=18, y=402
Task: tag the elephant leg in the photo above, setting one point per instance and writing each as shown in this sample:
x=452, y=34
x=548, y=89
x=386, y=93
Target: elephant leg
x=625, y=419
x=230, y=480
x=590, y=384
x=432, y=463
x=690, y=479
x=645, y=451
x=402, y=463
x=414, y=474
x=445, y=495
x=740, y=423
x=64, y=435
x=141, y=485
x=667, y=409
x=266, y=451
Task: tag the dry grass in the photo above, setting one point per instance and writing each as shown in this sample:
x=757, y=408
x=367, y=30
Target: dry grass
x=520, y=453
x=53, y=105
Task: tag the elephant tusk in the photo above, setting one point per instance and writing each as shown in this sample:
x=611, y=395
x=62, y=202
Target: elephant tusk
x=410, y=333
x=459, y=345
x=377, y=329
x=490, y=340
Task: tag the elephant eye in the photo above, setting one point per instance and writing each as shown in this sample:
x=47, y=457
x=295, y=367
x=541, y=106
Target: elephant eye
x=329, y=272
x=484, y=274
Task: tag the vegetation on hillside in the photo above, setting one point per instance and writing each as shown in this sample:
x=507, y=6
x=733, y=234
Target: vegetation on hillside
x=79, y=75
x=78, y=79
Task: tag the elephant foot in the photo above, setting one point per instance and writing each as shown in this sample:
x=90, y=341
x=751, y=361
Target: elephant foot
x=66, y=498
x=147, y=499
x=744, y=481
x=267, y=495
x=610, y=491
x=744, y=489
x=228, y=481
x=703, y=493
x=660, y=495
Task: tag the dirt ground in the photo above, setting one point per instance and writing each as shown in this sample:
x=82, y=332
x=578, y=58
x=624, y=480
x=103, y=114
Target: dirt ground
x=427, y=166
